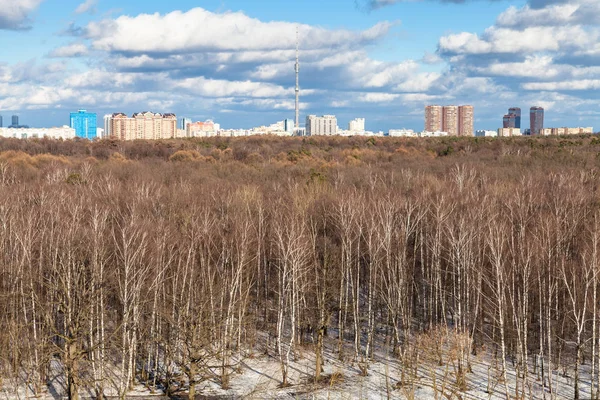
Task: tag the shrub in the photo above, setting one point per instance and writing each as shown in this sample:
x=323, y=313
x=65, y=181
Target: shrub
x=185, y=156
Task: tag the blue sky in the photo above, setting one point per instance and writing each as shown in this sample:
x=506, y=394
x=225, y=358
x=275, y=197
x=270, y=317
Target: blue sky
x=232, y=60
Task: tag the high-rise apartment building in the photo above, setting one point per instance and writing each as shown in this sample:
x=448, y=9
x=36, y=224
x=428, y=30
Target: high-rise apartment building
x=454, y=120
x=509, y=121
x=144, y=125
x=517, y=113
x=289, y=125
x=357, y=125
x=107, y=122
x=85, y=124
x=450, y=120
x=325, y=125
x=15, y=123
x=536, y=120
x=466, y=121
x=433, y=118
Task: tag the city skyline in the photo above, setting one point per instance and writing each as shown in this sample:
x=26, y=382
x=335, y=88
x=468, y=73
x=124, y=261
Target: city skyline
x=371, y=58
x=454, y=120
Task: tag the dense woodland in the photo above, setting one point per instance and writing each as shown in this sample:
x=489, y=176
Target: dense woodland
x=163, y=262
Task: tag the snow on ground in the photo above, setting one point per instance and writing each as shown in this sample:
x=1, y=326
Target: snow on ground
x=261, y=377
x=258, y=376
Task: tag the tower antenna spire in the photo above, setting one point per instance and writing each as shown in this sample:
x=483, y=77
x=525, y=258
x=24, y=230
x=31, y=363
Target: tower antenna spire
x=297, y=122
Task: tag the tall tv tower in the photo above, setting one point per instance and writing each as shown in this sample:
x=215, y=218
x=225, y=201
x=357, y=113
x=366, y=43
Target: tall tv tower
x=297, y=82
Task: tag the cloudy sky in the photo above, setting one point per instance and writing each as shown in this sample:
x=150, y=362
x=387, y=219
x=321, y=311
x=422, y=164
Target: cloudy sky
x=233, y=60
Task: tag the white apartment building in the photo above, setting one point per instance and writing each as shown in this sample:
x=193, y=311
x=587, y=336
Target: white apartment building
x=107, y=125
x=64, y=132
x=402, y=133
x=484, y=133
x=508, y=132
x=357, y=125
x=325, y=125
x=567, y=131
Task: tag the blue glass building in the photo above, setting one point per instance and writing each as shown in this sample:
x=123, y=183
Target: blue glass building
x=536, y=116
x=84, y=124
x=517, y=112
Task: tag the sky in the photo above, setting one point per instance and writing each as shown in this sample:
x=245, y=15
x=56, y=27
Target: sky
x=233, y=60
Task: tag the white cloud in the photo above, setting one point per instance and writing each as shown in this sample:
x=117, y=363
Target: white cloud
x=271, y=71
x=224, y=88
x=87, y=6
x=201, y=30
x=566, y=13
x=557, y=14
x=431, y=58
x=386, y=74
x=421, y=82
x=100, y=78
x=422, y=97
x=378, y=97
x=511, y=41
x=14, y=14
x=71, y=50
x=586, y=84
x=533, y=67
x=371, y=5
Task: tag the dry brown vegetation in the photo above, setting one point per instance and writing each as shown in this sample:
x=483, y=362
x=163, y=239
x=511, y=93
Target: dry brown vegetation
x=159, y=262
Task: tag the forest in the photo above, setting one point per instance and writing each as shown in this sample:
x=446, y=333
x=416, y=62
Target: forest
x=170, y=265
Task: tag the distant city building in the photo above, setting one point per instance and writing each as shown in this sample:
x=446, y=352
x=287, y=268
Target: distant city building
x=64, y=132
x=85, y=124
x=99, y=132
x=1, y=121
x=15, y=123
x=517, y=113
x=201, y=129
x=145, y=125
x=566, y=131
x=484, y=133
x=454, y=120
x=508, y=132
x=325, y=125
x=466, y=121
x=289, y=126
x=450, y=120
x=184, y=123
x=433, y=118
x=433, y=134
x=402, y=133
x=509, y=121
x=357, y=125
x=107, y=122
x=536, y=120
